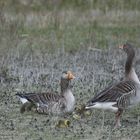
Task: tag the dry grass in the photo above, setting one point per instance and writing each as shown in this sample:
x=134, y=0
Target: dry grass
x=38, y=72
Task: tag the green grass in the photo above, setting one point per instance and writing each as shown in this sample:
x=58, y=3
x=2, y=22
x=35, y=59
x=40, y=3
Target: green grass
x=72, y=25
x=26, y=6
x=81, y=35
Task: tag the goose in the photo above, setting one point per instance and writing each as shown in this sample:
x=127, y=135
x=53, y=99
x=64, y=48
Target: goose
x=49, y=102
x=119, y=96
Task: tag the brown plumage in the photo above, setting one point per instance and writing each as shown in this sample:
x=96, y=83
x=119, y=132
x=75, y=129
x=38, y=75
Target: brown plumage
x=49, y=102
x=117, y=93
x=119, y=96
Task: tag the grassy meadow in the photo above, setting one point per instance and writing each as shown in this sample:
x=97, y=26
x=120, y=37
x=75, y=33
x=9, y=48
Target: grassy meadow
x=40, y=39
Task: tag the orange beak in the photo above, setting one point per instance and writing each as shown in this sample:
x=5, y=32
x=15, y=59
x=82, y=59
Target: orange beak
x=121, y=46
x=70, y=75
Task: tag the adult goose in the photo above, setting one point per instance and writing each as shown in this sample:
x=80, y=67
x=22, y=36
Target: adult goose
x=121, y=95
x=49, y=102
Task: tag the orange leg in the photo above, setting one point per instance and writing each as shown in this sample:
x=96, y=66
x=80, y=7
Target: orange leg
x=118, y=115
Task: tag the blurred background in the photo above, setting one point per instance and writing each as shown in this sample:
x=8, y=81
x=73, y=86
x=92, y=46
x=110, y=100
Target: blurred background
x=71, y=24
x=41, y=38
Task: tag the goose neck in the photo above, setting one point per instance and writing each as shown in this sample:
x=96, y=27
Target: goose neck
x=65, y=85
x=129, y=62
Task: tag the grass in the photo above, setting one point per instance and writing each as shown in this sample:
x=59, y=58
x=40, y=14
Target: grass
x=37, y=71
x=66, y=4
x=70, y=28
x=40, y=39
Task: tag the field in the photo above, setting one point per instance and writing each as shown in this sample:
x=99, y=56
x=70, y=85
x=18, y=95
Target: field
x=39, y=40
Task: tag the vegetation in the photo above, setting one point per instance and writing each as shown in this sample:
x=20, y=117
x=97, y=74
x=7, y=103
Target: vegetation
x=69, y=24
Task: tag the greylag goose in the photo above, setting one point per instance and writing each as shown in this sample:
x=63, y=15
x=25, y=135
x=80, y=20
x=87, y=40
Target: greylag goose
x=121, y=95
x=51, y=103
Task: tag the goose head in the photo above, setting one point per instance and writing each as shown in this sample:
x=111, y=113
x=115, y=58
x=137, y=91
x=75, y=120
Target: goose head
x=66, y=77
x=129, y=50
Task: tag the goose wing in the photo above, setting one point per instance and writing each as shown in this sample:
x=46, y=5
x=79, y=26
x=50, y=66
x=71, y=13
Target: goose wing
x=119, y=93
x=40, y=98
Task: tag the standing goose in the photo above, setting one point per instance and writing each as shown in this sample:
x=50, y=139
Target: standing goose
x=49, y=102
x=119, y=96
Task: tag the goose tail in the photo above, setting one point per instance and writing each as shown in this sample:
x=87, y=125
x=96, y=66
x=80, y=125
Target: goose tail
x=22, y=97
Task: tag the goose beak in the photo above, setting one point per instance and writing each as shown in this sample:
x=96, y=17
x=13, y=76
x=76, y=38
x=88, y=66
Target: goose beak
x=70, y=75
x=121, y=46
